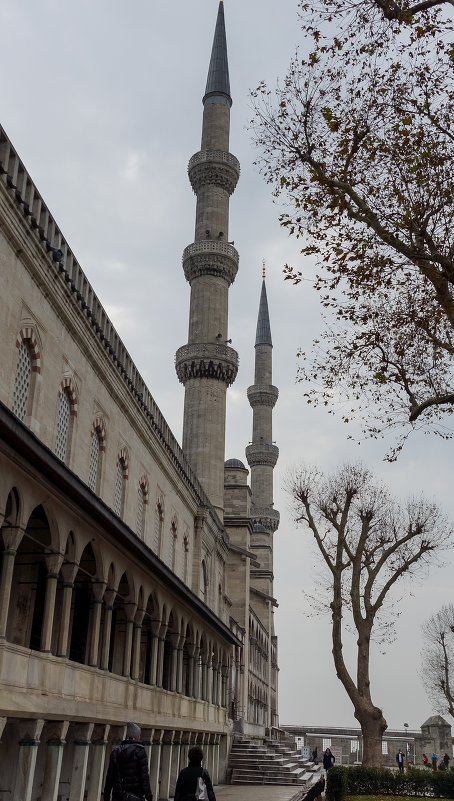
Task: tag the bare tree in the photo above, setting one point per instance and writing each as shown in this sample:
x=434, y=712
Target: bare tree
x=437, y=664
x=367, y=543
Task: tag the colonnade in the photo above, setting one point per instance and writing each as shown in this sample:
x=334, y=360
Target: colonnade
x=62, y=759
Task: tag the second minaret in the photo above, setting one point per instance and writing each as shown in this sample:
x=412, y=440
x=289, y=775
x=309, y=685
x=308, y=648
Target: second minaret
x=207, y=365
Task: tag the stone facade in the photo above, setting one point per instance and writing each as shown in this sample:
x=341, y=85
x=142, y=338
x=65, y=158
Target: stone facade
x=124, y=591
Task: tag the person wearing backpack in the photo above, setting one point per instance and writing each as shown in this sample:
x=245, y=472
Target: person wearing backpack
x=194, y=781
x=127, y=775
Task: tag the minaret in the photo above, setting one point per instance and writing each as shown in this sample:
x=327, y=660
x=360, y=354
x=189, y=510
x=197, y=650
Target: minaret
x=262, y=455
x=206, y=365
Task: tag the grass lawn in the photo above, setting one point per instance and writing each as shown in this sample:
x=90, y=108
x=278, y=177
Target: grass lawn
x=387, y=798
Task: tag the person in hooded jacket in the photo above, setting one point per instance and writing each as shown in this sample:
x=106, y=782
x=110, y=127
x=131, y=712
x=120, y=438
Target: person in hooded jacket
x=128, y=769
x=187, y=781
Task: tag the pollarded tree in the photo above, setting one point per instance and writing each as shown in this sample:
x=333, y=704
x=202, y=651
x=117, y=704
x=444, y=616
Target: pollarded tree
x=437, y=664
x=367, y=544
x=359, y=142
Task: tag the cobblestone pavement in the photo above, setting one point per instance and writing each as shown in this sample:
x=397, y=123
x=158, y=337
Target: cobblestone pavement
x=256, y=792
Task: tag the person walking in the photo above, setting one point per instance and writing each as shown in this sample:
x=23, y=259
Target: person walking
x=328, y=759
x=425, y=760
x=434, y=760
x=127, y=776
x=400, y=760
x=446, y=761
x=188, y=786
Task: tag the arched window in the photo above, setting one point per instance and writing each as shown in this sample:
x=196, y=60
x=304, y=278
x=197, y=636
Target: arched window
x=185, y=560
x=23, y=380
x=142, y=501
x=63, y=426
x=172, y=545
x=158, y=518
x=120, y=485
x=98, y=446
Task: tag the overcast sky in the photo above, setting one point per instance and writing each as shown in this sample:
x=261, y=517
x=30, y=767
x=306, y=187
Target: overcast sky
x=102, y=100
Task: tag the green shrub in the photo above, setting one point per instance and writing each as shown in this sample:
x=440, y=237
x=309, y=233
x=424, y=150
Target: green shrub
x=363, y=780
x=336, y=783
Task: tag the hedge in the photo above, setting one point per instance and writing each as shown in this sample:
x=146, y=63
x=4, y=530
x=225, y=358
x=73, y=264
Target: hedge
x=361, y=780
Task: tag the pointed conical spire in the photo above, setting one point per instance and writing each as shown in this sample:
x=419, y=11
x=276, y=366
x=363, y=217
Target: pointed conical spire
x=263, y=335
x=218, y=83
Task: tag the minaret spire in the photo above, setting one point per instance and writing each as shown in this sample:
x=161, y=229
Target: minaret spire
x=262, y=454
x=206, y=365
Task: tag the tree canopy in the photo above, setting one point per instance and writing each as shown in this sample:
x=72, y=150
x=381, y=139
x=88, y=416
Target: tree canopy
x=437, y=664
x=358, y=142
x=367, y=544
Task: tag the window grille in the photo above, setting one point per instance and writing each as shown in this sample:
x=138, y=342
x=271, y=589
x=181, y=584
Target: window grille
x=173, y=532
x=140, y=513
x=326, y=743
x=384, y=746
x=119, y=485
x=157, y=529
x=94, y=462
x=354, y=745
x=22, y=381
x=64, y=414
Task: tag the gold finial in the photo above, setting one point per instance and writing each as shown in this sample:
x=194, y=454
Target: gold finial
x=263, y=269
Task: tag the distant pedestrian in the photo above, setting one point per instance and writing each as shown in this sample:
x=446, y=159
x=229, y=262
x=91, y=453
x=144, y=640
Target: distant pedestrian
x=434, y=759
x=315, y=756
x=446, y=761
x=194, y=782
x=328, y=759
x=425, y=760
x=400, y=760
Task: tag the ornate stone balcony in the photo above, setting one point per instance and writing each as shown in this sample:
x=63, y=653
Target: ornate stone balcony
x=260, y=454
x=262, y=395
x=210, y=257
x=215, y=167
x=206, y=360
x=266, y=516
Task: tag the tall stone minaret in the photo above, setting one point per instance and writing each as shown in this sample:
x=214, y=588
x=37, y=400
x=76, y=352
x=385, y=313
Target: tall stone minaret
x=206, y=365
x=262, y=454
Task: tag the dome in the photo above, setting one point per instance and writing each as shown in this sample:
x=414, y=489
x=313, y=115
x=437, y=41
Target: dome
x=235, y=464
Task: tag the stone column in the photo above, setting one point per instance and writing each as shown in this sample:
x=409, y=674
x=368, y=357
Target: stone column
x=184, y=749
x=160, y=665
x=166, y=764
x=98, y=589
x=174, y=665
x=155, y=765
x=57, y=731
x=109, y=597
x=136, y=642
x=12, y=537
x=180, y=664
x=99, y=745
x=204, y=680
x=147, y=742
x=130, y=611
x=155, y=628
x=196, y=682
x=215, y=774
x=82, y=738
x=175, y=763
x=224, y=680
x=191, y=672
x=69, y=572
x=29, y=733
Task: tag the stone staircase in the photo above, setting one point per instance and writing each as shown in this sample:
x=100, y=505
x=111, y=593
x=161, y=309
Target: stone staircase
x=270, y=762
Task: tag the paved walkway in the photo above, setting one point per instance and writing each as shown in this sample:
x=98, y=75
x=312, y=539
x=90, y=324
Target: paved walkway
x=256, y=792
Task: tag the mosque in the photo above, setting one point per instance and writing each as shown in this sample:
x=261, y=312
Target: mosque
x=136, y=574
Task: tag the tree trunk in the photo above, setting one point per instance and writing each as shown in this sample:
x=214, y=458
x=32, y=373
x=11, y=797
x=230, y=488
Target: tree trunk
x=373, y=726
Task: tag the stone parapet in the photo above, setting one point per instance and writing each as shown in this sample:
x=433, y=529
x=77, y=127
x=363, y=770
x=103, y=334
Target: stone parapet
x=214, y=167
x=210, y=257
x=262, y=395
x=260, y=454
x=206, y=360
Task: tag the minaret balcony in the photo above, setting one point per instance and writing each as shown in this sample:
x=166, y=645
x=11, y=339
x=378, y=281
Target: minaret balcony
x=259, y=454
x=206, y=360
x=215, y=167
x=265, y=516
x=210, y=257
x=262, y=395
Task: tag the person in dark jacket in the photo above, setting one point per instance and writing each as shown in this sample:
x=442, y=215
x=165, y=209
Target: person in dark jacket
x=128, y=769
x=328, y=759
x=187, y=779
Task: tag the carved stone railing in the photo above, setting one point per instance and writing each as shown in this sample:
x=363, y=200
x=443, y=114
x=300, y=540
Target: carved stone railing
x=262, y=395
x=214, y=167
x=206, y=360
x=210, y=257
x=260, y=454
